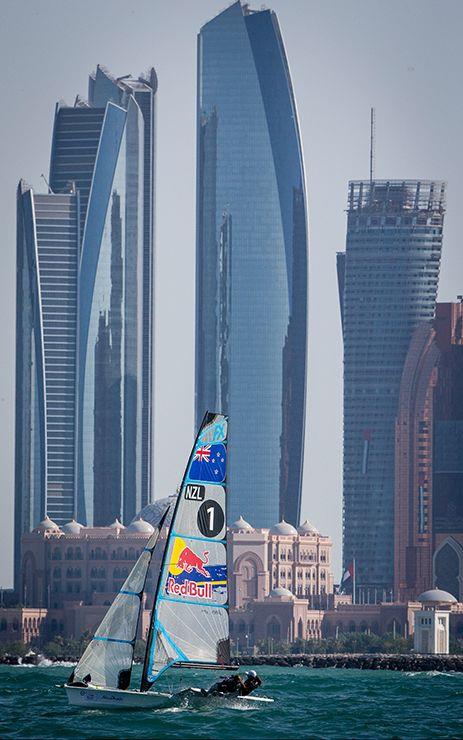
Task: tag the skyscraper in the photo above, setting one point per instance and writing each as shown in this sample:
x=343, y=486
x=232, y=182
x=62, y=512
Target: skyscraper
x=85, y=312
x=429, y=461
x=102, y=89
x=388, y=284
x=251, y=260
x=46, y=355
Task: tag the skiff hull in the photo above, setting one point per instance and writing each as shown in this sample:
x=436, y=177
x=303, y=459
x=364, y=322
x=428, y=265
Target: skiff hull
x=195, y=698
x=94, y=697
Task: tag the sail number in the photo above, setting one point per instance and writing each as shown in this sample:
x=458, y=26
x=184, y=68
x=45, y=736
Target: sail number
x=195, y=493
x=211, y=518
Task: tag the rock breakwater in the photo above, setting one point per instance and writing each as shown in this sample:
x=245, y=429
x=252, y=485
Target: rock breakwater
x=372, y=662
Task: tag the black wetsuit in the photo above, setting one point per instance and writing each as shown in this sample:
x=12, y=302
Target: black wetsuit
x=82, y=684
x=235, y=685
x=251, y=683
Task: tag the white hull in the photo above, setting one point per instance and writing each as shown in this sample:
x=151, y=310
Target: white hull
x=195, y=697
x=96, y=697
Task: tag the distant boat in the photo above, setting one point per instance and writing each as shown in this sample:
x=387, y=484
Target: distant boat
x=189, y=624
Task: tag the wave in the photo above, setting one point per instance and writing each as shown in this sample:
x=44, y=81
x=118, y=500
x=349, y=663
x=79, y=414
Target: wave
x=429, y=674
x=44, y=663
x=47, y=663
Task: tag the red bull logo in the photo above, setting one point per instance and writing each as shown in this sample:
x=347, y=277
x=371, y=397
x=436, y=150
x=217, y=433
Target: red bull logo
x=189, y=561
x=189, y=589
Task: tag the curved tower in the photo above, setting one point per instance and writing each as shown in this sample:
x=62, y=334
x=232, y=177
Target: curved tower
x=84, y=349
x=251, y=252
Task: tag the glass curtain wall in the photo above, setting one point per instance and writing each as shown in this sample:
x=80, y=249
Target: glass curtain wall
x=251, y=307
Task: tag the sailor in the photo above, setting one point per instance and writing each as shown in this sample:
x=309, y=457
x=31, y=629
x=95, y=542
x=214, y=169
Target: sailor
x=83, y=683
x=235, y=685
x=251, y=683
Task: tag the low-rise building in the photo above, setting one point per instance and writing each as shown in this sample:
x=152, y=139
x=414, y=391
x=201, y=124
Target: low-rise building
x=280, y=584
x=261, y=560
x=73, y=564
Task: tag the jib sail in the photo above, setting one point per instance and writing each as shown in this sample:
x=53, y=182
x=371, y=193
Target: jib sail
x=107, y=660
x=190, y=615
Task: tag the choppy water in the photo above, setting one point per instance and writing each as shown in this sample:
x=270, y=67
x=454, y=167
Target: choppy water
x=327, y=703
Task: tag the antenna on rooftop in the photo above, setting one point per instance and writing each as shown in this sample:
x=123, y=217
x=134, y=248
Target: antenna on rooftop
x=46, y=183
x=372, y=142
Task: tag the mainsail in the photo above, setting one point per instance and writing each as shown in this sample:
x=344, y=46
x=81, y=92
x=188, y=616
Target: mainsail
x=190, y=615
x=108, y=657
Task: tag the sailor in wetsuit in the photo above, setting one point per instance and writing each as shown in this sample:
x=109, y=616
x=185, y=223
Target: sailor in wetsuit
x=235, y=685
x=83, y=683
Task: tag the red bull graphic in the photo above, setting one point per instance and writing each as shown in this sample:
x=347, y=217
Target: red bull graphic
x=188, y=561
x=189, y=589
x=194, y=572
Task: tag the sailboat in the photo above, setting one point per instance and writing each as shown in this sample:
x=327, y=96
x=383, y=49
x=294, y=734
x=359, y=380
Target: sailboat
x=189, y=624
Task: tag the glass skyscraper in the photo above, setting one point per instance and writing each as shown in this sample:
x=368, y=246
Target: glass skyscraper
x=85, y=313
x=388, y=278
x=251, y=261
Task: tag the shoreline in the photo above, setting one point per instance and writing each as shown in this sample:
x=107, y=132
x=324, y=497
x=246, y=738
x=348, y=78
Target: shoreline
x=367, y=661
x=364, y=661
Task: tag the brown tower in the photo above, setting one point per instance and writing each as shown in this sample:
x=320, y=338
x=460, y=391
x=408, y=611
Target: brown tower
x=429, y=459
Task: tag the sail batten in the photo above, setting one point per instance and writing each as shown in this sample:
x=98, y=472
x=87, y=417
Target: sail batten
x=190, y=617
x=195, y=603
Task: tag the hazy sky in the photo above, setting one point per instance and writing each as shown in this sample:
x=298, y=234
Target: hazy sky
x=400, y=56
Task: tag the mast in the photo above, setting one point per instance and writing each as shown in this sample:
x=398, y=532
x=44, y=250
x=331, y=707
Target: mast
x=145, y=684
x=372, y=143
x=159, y=527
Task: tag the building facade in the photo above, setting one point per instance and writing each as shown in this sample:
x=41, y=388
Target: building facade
x=251, y=260
x=429, y=459
x=103, y=87
x=282, y=557
x=85, y=313
x=388, y=284
x=61, y=566
x=280, y=585
x=46, y=359
x=71, y=573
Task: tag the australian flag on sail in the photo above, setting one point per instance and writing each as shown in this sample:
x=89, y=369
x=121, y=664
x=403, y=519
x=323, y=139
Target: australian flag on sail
x=209, y=463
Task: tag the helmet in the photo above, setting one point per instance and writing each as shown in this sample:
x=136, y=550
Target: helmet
x=251, y=674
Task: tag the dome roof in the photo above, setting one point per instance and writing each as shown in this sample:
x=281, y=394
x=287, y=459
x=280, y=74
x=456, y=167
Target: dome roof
x=116, y=524
x=436, y=596
x=283, y=528
x=140, y=527
x=152, y=513
x=241, y=525
x=72, y=527
x=47, y=525
x=307, y=528
x=281, y=592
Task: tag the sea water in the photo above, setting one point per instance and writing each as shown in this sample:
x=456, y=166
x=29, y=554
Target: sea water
x=309, y=703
